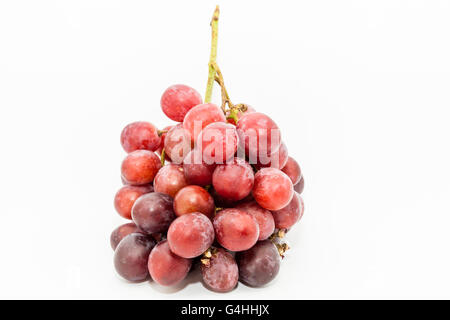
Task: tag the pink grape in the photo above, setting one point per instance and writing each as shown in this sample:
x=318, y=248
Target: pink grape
x=170, y=179
x=286, y=217
x=190, y=235
x=131, y=256
x=262, y=216
x=292, y=169
x=259, y=265
x=200, y=116
x=221, y=274
x=140, y=167
x=300, y=186
x=126, y=196
x=153, y=212
x=177, y=144
x=177, y=100
x=196, y=170
x=194, y=199
x=140, y=136
x=165, y=267
x=258, y=134
x=233, y=181
x=236, y=230
x=272, y=189
x=218, y=142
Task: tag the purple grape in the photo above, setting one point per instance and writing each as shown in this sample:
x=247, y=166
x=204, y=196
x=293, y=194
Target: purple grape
x=259, y=265
x=153, y=212
x=131, y=256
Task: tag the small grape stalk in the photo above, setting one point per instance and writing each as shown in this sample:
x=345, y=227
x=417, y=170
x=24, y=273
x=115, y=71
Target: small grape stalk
x=218, y=189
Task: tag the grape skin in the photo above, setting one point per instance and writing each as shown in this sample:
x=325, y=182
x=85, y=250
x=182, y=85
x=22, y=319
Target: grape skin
x=259, y=265
x=126, y=196
x=277, y=160
x=177, y=144
x=197, y=171
x=193, y=199
x=140, y=136
x=140, y=167
x=286, y=217
x=165, y=267
x=292, y=169
x=190, y=235
x=218, y=142
x=202, y=115
x=170, y=179
x=236, y=230
x=255, y=134
x=221, y=274
x=153, y=212
x=233, y=181
x=272, y=189
x=131, y=256
x=262, y=216
x=121, y=232
x=300, y=186
x=177, y=100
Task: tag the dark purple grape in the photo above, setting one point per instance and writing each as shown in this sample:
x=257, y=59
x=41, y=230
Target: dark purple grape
x=131, y=256
x=221, y=273
x=258, y=265
x=153, y=212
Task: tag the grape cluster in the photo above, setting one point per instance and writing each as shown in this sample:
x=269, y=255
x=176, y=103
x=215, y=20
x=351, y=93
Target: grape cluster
x=214, y=190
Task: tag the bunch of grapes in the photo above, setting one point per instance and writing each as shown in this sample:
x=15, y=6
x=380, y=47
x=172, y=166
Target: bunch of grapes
x=217, y=190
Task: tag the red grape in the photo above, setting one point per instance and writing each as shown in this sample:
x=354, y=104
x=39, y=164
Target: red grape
x=300, y=186
x=240, y=114
x=196, y=171
x=131, y=256
x=233, y=181
x=218, y=142
x=177, y=100
x=292, y=169
x=272, y=189
x=262, y=216
x=200, y=116
x=221, y=274
x=236, y=230
x=190, y=235
x=153, y=212
x=163, y=137
x=126, y=196
x=259, y=265
x=193, y=199
x=170, y=179
x=140, y=136
x=166, y=268
x=286, y=217
x=140, y=167
x=259, y=135
x=177, y=144
x=121, y=232
x=277, y=159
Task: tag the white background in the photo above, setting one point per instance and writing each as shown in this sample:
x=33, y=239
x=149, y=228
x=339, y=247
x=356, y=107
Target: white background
x=360, y=90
